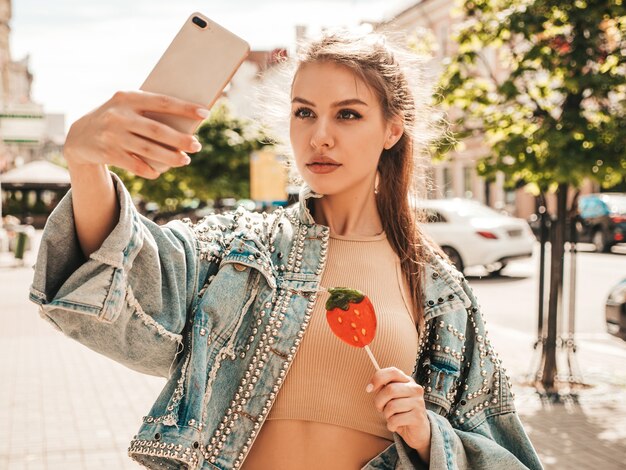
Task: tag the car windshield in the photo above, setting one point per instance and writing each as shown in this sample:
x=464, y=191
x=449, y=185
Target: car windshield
x=470, y=210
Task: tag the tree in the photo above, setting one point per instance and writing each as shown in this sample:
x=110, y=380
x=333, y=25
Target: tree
x=221, y=169
x=557, y=114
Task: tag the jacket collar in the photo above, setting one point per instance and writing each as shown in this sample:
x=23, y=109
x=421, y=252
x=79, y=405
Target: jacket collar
x=444, y=288
x=304, y=214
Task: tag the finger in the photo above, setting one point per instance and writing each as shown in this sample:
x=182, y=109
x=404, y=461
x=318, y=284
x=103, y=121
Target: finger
x=162, y=133
x=398, y=405
x=159, y=103
x=393, y=391
x=384, y=376
x=134, y=164
x=141, y=147
x=400, y=420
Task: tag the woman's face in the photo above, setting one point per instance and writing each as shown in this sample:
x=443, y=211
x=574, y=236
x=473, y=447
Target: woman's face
x=337, y=128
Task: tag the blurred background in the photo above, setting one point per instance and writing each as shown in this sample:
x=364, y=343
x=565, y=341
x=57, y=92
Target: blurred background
x=527, y=195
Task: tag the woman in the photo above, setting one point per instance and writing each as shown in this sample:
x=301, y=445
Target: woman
x=221, y=308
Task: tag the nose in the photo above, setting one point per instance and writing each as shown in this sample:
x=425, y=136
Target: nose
x=322, y=134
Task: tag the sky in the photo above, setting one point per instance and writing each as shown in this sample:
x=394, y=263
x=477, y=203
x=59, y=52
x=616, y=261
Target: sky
x=82, y=51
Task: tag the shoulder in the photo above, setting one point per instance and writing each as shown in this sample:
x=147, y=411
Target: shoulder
x=239, y=231
x=445, y=288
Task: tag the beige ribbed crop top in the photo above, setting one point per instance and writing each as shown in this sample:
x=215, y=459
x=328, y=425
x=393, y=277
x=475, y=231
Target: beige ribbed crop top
x=327, y=379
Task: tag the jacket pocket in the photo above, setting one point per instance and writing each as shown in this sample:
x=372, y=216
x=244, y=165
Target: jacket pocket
x=249, y=288
x=440, y=382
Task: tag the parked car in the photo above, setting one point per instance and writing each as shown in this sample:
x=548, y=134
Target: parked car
x=616, y=310
x=472, y=234
x=602, y=220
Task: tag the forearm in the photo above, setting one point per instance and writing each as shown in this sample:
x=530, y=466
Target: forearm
x=95, y=204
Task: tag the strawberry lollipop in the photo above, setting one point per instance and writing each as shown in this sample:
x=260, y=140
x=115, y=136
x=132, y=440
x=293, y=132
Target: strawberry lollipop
x=351, y=316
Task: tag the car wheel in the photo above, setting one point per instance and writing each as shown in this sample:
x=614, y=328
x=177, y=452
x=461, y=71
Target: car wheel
x=497, y=271
x=455, y=258
x=599, y=242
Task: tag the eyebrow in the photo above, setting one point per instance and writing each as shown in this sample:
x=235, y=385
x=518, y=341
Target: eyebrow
x=336, y=104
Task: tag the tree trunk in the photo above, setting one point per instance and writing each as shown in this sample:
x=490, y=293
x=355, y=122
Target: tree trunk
x=556, y=289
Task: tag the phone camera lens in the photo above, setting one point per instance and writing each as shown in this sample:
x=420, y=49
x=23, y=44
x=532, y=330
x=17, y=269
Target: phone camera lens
x=199, y=21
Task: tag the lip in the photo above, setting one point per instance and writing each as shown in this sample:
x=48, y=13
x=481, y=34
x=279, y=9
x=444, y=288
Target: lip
x=322, y=164
x=323, y=159
x=322, y=168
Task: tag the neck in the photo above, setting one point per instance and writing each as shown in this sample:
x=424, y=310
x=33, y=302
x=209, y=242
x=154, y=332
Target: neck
x=351, y=213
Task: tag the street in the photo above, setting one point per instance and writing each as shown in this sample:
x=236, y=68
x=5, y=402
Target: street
x=511, y=300
x=64, y=407
x=510, y=304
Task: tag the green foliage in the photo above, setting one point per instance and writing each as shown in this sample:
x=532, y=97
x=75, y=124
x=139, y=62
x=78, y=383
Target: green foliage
x=221, y=169
x=552, y=105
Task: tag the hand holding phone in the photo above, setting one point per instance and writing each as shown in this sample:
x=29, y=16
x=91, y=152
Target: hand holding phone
x=196, y=67
x=118, y=133
x=147, y=132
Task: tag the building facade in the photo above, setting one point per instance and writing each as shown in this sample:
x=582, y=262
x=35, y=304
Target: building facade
x=26, y=132
x=457, y=176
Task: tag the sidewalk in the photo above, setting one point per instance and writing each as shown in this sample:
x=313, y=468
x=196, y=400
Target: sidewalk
x=587, y=434
x=8, y=260
x=65, y=407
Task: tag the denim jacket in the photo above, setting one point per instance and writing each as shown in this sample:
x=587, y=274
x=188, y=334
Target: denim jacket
x=219, y=308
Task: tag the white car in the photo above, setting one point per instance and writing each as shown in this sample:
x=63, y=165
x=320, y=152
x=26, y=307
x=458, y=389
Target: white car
x=472, y=234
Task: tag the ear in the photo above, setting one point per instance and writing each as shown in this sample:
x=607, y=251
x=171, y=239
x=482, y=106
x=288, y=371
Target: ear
x=395, y=129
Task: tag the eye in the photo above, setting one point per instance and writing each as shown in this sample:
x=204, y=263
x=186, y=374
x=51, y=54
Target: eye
x=303, y=113
x=348, y=114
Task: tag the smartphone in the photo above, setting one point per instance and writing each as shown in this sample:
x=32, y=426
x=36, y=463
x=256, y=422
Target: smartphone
x=198, y=64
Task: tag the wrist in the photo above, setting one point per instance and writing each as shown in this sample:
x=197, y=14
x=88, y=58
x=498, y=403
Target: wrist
x=424, y=453
x=423, y=445
x=88, y=176
x=76, y=166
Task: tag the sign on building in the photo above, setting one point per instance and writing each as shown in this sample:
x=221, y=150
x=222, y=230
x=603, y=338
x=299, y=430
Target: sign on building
x=268, y=177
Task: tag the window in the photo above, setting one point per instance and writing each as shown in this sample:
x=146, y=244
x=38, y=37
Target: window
x=443, y=40
x=433, y=216
x=510, y=196
x=447, y=187
x=468, y=182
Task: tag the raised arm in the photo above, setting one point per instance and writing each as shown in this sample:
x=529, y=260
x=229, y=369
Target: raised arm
x=105, y=275
x=119, y=134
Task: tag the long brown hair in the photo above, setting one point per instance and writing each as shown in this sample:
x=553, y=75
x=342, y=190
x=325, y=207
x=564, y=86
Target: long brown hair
x=375, y=61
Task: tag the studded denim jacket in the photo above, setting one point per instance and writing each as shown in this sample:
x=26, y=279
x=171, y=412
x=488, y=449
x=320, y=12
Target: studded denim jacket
x=219, y=308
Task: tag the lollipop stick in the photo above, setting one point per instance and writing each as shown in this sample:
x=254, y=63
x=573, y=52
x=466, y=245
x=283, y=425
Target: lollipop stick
x=367, y=348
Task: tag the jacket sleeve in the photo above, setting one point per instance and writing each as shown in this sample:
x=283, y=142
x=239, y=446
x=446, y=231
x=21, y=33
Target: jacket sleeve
x=129, y=300
x=469, y=403
x=498, y=442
